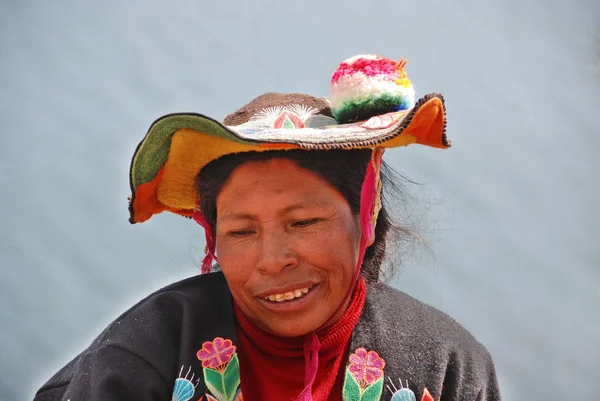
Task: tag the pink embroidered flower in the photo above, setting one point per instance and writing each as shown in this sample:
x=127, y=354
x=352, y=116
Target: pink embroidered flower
x=366, y=367
x=216, y=353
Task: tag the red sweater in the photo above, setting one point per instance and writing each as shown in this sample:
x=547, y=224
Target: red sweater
x=273, y=368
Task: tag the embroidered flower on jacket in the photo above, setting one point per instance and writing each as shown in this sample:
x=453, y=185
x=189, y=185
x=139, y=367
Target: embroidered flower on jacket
x=215, y=354
x=366, y=367
x=406, y=394
x=185, y=386
x=238, y=397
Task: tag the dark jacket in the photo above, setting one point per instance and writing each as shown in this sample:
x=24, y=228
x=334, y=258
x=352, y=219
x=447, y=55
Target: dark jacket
x=150, y=352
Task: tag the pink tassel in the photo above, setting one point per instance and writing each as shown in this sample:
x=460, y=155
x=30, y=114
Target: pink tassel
x=210, y=241
x=311, y=358
x=368, y=194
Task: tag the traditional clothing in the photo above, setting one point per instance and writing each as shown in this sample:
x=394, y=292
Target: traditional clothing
x=181, y=344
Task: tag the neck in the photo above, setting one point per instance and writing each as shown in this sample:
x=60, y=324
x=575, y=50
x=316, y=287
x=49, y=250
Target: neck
x=336, y=328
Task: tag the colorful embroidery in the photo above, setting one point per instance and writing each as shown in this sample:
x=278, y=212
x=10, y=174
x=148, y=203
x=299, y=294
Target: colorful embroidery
x=406, y=394
x=184, y=388
x=291, y=116
x=426, y=395
x=363, y=380
x=221, y=370
x=209, y=397
x=383, y=121
x=317, y=131
x=364, y=376
x=216, y=353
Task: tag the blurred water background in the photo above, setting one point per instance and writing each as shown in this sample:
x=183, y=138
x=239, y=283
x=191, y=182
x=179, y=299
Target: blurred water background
x=515, y=236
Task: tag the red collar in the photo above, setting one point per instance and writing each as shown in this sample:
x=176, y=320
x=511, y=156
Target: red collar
x=328, y=337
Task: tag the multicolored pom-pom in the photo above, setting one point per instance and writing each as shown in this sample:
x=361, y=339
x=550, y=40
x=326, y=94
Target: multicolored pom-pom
x=369, y=85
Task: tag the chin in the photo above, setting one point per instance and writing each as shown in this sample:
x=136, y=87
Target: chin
x=289, y=328
x=290, y=333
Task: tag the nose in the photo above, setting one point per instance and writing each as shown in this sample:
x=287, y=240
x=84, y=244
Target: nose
x=276, y=253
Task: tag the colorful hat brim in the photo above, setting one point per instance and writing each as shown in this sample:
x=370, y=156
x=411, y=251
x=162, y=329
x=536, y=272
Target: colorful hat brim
x=163, y=170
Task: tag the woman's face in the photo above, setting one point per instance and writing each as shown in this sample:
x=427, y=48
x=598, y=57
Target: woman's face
x=288, y=245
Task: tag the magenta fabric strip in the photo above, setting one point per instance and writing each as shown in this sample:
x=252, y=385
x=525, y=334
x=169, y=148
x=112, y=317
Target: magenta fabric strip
x=210, y=241
x=311, y=356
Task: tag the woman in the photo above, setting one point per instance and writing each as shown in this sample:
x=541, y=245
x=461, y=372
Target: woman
x=288, y=190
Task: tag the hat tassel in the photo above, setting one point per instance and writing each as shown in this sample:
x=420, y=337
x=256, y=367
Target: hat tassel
x=209, y=249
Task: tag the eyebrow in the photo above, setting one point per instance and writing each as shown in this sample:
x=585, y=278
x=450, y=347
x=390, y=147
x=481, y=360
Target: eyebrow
x=248, y=216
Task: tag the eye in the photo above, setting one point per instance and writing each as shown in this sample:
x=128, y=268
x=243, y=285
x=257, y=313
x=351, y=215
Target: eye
x=304, y=223
x=240, y=233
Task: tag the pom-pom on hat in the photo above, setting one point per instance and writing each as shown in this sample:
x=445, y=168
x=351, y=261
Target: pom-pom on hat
x=372, y=105
x=365, y=86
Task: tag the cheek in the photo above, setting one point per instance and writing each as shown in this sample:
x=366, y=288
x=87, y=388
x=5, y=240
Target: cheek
x=237, y=264
x=230, y=251
x=334, y=252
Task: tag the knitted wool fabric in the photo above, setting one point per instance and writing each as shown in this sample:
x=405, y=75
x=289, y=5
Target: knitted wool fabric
x=368, y=85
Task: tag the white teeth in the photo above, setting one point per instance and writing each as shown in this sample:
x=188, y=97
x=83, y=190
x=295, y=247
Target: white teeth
x=288, y=296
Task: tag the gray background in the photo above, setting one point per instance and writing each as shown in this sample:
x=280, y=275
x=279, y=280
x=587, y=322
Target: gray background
x=514, y=224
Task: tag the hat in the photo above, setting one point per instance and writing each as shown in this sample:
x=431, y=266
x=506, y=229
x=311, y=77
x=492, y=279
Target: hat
x=372, y=104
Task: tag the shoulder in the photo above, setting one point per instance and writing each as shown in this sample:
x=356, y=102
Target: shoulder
x=207, y=288
x=425, y=346
x=404, y=314
x=151, y=336
x=167, y=314
x=162, y=314
x=206, y=294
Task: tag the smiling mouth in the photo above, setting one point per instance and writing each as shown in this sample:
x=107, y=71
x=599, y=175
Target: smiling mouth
x=288, y=296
